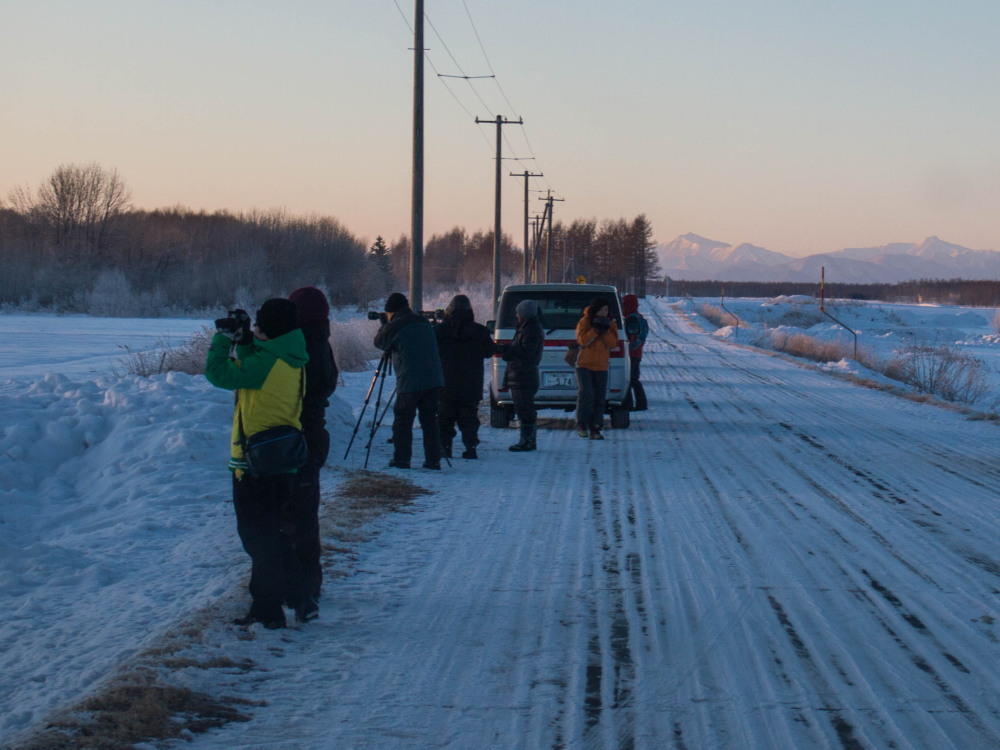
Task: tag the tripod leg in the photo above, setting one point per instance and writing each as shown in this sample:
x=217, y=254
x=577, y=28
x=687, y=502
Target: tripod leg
x=378, y=423
x=379, y=372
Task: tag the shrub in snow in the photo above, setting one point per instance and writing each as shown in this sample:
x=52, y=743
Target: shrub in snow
x=353, y=344
x=941, y=371
x=188, y=358
x=111, y=296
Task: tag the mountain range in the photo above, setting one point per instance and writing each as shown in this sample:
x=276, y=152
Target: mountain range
x=691, y=257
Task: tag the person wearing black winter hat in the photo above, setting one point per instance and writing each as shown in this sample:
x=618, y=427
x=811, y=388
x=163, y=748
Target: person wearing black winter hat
x=523, y=355
x=267, y=374
x=321, y=382
x=409, y=339
x=464, y=344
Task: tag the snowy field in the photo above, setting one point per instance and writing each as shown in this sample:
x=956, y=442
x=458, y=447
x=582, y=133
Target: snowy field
x=882, y=330
x=769, y=557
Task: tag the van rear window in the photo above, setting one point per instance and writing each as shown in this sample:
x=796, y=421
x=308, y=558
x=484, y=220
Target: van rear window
x=556, y=309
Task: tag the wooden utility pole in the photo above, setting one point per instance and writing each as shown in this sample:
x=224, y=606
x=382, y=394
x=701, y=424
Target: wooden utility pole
x=525, y=175
x=417, y=210
x=548, y=244
x=500, y=122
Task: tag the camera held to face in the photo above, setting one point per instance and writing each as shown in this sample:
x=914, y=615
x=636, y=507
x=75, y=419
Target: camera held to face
x=235, y=327
x=602, y=324
x=382, y=317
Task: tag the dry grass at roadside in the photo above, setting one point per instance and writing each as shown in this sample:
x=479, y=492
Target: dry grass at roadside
x=138, y=707
x=144, y=701
x=941, y=371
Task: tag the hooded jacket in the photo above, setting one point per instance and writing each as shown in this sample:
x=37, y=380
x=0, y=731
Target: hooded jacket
x=523, y=355
x=409, y=338
x=269, y=382
x=464, y=344
x=595, y=348
x=632, y=323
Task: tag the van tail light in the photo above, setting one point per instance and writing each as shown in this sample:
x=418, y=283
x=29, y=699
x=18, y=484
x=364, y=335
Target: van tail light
x=497, y=355
x=618, y=351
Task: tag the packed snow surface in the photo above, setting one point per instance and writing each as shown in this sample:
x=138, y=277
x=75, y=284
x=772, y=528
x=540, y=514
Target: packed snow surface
x=768, y=558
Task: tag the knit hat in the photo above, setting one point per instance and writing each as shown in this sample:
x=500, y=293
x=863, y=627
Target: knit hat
x=527, y=308
x=312, y=304
x=396, y=302
x=277, y=316
x=630, y=304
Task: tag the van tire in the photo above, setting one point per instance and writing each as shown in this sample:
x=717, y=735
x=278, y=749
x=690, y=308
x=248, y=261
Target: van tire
x=620, y=417
x=500, y=416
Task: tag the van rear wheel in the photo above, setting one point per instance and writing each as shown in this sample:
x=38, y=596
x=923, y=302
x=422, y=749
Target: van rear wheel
x=500, y=416
x=620, y=417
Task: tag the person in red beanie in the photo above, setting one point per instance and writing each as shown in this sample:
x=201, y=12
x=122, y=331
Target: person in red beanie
x=321, y=382
x=636, y=330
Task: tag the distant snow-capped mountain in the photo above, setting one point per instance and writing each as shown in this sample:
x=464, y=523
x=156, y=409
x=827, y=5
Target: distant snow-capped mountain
x=692, y=257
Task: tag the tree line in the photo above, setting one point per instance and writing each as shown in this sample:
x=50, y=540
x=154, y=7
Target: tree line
x=77, y=244
x=935, y=291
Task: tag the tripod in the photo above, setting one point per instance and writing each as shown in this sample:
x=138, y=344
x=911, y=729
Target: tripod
x=384, y=366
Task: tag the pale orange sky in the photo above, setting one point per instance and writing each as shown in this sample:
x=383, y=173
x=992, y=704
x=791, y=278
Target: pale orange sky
x=800, y=129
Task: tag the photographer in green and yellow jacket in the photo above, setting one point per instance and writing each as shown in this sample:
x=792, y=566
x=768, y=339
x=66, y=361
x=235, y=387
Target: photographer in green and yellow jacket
x=265, y=368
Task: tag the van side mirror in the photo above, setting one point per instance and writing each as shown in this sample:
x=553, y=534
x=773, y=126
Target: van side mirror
x=491, y=325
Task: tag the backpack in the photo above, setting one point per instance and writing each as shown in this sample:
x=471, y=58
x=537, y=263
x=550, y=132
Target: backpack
x=636, y=325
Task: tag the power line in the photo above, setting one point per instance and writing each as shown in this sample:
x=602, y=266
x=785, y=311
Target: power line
x=442, y=77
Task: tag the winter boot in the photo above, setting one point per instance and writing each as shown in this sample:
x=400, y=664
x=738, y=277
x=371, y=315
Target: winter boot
x=527, y=441
x=470, y=452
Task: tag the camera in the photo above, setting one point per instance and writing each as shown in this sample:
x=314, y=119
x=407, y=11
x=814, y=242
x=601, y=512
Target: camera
x=379, y=316
x=602, y=323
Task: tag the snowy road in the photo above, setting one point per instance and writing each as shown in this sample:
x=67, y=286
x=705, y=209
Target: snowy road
x=768, y=558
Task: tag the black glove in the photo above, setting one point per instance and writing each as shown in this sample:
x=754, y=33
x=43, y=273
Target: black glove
x=602, y=324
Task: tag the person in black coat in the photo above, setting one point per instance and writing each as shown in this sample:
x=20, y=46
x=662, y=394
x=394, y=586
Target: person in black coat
x=463, y=344
x=321, y=381
x=523, y=355
x=409, y=339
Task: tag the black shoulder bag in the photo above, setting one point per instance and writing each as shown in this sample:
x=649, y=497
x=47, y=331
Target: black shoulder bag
x=276, y=450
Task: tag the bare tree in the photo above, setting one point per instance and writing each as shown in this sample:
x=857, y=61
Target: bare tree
x=80, y=205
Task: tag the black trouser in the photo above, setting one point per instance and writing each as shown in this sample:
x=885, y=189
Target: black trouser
x=465, y=414
x=638, y=392
x=591, y=395
x=275, y=574
x=407, y=406
x=304, y=528
x=524, y=404
x=304, y=512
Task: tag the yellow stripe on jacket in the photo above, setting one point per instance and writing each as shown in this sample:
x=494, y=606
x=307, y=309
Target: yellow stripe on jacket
x=277, y=402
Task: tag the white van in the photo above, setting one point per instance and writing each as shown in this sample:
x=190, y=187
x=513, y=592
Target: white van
x=560, y=307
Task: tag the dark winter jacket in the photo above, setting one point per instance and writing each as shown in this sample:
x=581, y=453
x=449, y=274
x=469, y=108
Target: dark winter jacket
x=409, y=339
x=523, y=355
x=636, y=327
x=321, y=382
x=267, y=378
x=463, y=344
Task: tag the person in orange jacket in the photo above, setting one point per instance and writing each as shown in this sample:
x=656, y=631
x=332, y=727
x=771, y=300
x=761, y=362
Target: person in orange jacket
x=597, y=335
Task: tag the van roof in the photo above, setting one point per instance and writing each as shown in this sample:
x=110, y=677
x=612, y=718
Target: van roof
x=592, y=288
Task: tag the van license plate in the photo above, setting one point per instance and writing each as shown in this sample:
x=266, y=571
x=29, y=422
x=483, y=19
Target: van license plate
x=559, y=380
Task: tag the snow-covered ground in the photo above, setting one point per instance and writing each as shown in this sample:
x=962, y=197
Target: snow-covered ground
x=769, y=557
x=883, y=331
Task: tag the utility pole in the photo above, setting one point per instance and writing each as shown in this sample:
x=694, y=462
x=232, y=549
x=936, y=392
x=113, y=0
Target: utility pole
x=548, y=243
x=525, y=175
x=500, y=122
x=417, y=210
x=536, y=236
